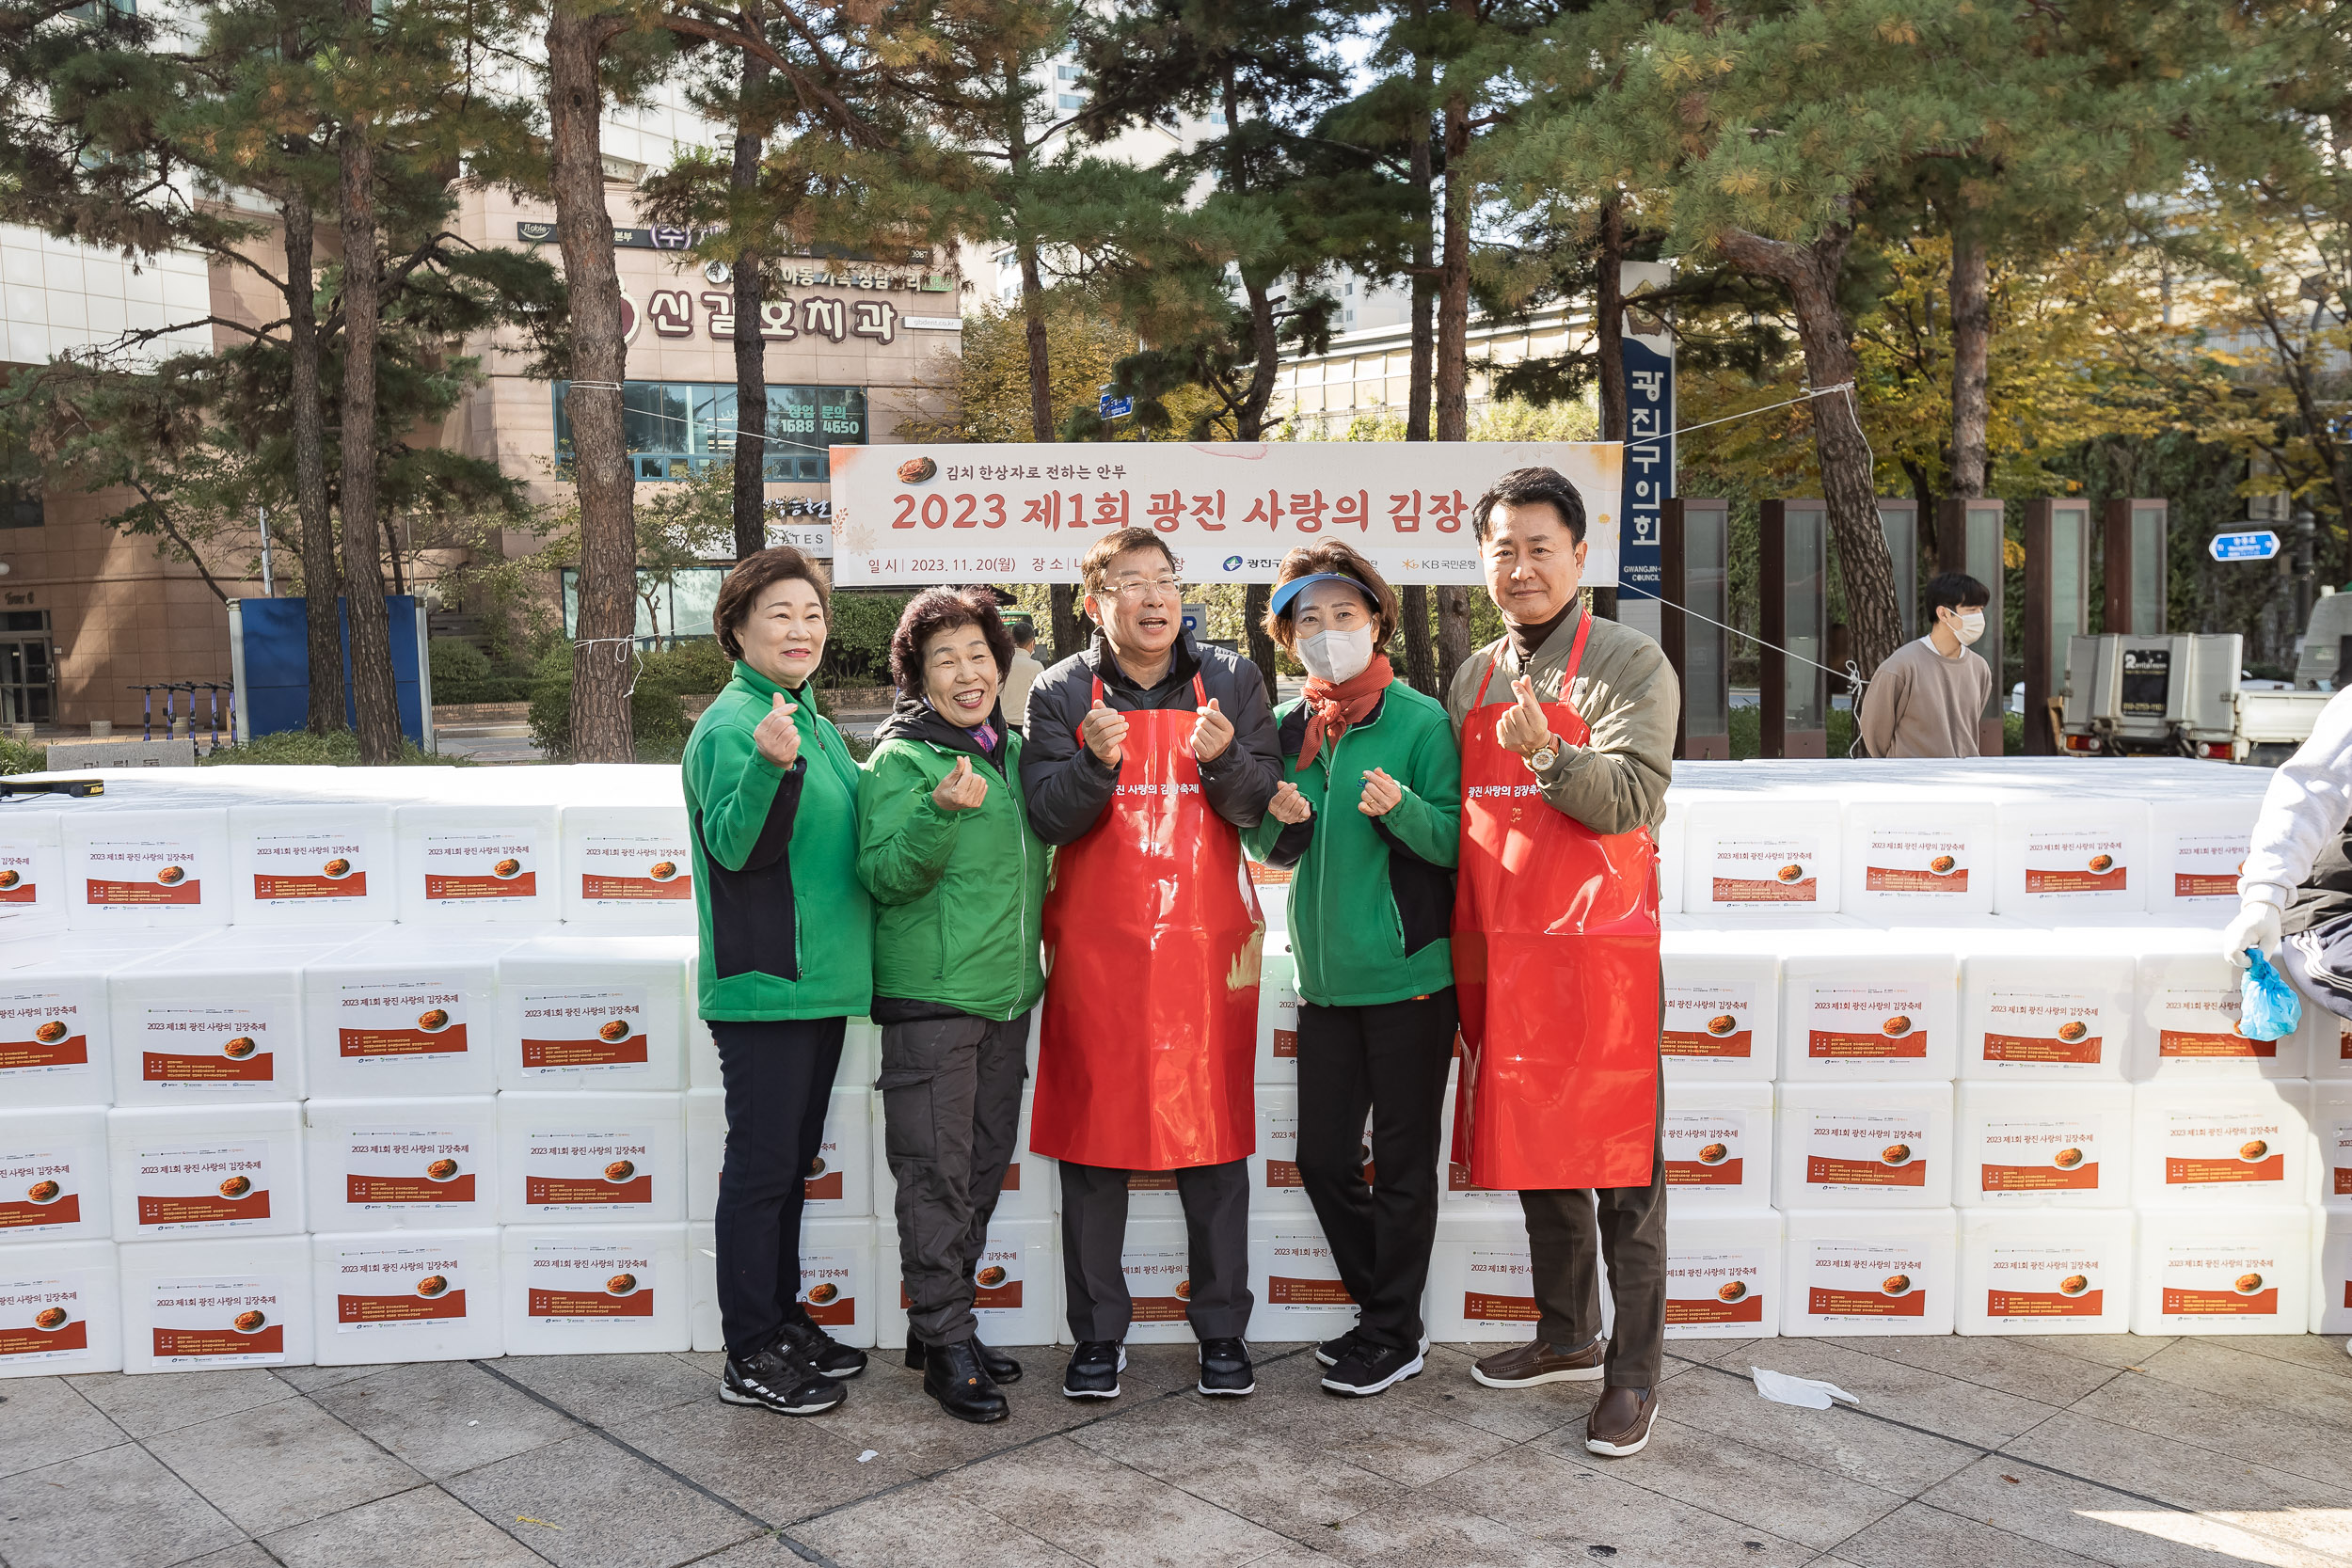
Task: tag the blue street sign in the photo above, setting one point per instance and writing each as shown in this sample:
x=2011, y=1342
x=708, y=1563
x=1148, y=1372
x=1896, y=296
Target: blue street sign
x=1649, y=467
x=1114, y=409
x=2254, y=544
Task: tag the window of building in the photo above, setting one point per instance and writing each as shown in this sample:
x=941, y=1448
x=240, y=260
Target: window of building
x=21, y=505
x=676, y=429
x=1216, y=117
x=1065, y=74
x=1069, y=100
x=672, y=606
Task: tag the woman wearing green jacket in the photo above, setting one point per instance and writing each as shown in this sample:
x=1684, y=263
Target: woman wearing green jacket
x=787, y=959
x=1366, y=818
x=958, y=884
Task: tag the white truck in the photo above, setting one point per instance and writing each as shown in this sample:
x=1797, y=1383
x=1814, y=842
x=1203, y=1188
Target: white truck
x=2185, y=695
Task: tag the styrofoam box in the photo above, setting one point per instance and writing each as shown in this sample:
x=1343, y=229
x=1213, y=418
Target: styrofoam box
x=2327, y=1041
x=2043, y=1145
x=861, y=1046
x=2195, y=849
x=1865, y=1146
x=217, y=1022
x=54, y=1035
x=2187, y=1000
x=409, y=1295
x=52, y=1175
x=302, y=864
x=1277, y=1017
x=219, y=1303
x=2046, y=1016
x=591, y=1159
x=1869, y=1271
x=1274, y=1184
x=702, y=1299
x=1295, y=1281
x=1457, y=1193
x=151, y=868
x=1017, y=1297
x=1718, y=1141
x=1762, y=855
x=1722, y=1019
x=2045, y=1272
x=841, y=1181
x=2204, y=1272
x=227, y=1172
x=1480, y=1287
x=1916, y=859
x=627, y=865
x=60, y=1310
x=2218, y=1145
x=1274, y=904
x=469, y=864
x=1724, y=1269
x=593, y=1013
x=2331, y=1129
x=2083, y=858
x=414, y=1012
x=1886, y=1010
x=594, y=1289
x=402, y=1164
x=32, y=866
x=2331, y=1271
x=1670, y=852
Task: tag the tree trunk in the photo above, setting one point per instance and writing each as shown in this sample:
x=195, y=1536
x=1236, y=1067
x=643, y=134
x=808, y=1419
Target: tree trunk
x=1250, y=425
x=321, y=583
x=601, y=649
x=1452, y=373
x=375, y=699
x=1608, y=343
x=751, y=345
x=1421, y=658
x=1971, y=344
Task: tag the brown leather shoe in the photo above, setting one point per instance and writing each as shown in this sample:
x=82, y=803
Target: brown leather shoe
x=1525, y=1366
x=1620, y=1422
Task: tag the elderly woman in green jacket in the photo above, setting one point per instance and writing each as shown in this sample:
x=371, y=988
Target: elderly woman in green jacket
x=787, y=959
x=958, y=884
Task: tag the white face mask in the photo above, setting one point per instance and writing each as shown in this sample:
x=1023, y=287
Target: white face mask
x=1337, y=656
x=1970, y=627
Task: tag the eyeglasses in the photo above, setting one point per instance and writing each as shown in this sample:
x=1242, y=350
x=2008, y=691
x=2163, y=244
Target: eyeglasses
x=1133, y=589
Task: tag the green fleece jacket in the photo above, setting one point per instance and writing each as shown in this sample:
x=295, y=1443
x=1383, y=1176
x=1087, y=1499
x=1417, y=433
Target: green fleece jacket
x=1370, y=897
x=788, y=930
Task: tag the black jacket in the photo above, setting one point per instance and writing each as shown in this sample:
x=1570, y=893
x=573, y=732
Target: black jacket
x=1067, y=788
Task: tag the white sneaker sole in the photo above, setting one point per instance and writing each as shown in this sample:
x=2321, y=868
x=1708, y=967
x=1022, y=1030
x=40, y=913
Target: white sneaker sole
x=1577, y=1374
x=1365, y=1390
x=1333, y=1360
x=729, y=1396
x=1110, y=1393
x=1622, y=1450
x=1226, y=1393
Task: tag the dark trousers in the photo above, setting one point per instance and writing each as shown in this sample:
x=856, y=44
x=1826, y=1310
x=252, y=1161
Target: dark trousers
x=1390, y=1061
x=779, y=1081
x=1216, y=1236
x=1571, y=1232
x=951, y=1111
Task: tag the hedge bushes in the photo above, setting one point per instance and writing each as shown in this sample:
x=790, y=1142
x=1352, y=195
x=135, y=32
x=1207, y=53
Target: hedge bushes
x=695, y=668
x=464, y=673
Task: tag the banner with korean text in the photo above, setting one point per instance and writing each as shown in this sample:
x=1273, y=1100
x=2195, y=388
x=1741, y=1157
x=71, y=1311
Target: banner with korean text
x=1229, y=510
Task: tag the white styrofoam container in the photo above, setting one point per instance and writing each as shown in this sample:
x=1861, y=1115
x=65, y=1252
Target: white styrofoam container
x=2045, y=1272
x=861, y=1047
x=55, y=1032
x=2331, y=1271
x=2327, y=1041
x=207, y=1023
x=1295, y=1281
x=52, y=1175
x=1762, y=855
x=1016, y=1296
x=1865, y=1146
x=599, y=1012
x=1030, y=1180
x=220, y=1303
x=2195, y=849
x=2188, y=1014
x=2085, y=857
x=2196, y=1143
x=1718, y=1141
x=1278, y=1016
x=305, y=864
x=1722, y=1019
x=2332, y=1140
x=2046, y=1016
x=1885, y=1011
x=1724, y=1269
x=165, y=868
x=841, y=1180
x=1671, y=838
x=1456, y=1194
x=1274, y=1184
x=32, y=866
x=1916, y=859
x=60, y=1310
x=702, y=1298
x=402, y=1164
x=594, y=1289
x=463, y=864
x=627, y=866
x=2043, y=1145
x=233, y=1172
x=1870, y=1272
x=2204, y=1271
x=410, y=1295
x=1481, y=1286
x=415, y=1013
x=606, y=1160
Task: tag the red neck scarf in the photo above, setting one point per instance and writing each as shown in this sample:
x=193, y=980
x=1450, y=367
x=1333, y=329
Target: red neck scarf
x=1332, y=706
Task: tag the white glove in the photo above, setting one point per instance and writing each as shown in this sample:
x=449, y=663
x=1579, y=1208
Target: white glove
x=2255, y=926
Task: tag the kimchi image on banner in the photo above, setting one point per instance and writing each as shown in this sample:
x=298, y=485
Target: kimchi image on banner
x=402, y=1164
x=2222, y=1146
x=1718, y=1145
x=593, y=1290
x=304, y=864
x=1881, y=1012
x=627, y=866
x=52, y=1175
x=2049, y=1018
x=1722, y=1273
x=1764, y=855
x=2043, y=1272
x=147, y=868
x=1865, y=1146
x=467, y=865
x=592, y=1012
x=2077, y=859
x=2204, y=1272
x=2041, y=1146
x=60, y=1310
x=591, y=1159
x=2189, y=1000
x=1722, y=1020
x=1016, y=1290
x=216, y=1304
x=235, y=1170
x=1855, y=1271
x=1915, y=859
x=413, y=1013
x=415, y=1295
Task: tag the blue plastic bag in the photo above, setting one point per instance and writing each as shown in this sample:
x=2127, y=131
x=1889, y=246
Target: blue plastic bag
x=2268, y=1007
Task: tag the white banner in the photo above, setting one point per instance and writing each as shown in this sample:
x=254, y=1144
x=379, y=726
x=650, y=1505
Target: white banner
x=1229, y=509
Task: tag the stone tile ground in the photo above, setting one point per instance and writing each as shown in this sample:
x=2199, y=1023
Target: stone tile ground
x=1966, y=1453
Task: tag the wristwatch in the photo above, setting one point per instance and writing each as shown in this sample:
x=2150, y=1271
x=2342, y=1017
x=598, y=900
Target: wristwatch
x=1545, y=755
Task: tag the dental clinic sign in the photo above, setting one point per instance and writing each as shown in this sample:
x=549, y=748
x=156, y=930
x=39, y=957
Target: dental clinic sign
x=1229, y=510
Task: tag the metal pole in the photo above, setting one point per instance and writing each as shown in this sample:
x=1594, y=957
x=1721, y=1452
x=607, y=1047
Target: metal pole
x=2306, y=532
x=269, y=586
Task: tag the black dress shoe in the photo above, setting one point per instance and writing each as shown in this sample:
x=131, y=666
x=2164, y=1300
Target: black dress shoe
x=807, y=1343
x=1094, y=1369
x=1001, y=1368
x=952, y=1374
x=1225, y=1368
x=779, y=1383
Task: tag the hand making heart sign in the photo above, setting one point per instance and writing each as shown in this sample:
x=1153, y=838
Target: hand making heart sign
x=1524, y=727
x=1212, y=733
x=960, y=790
x=778, y=738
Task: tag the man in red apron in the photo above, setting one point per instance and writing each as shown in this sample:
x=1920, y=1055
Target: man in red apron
x=1146, y=756
x=1568, y=726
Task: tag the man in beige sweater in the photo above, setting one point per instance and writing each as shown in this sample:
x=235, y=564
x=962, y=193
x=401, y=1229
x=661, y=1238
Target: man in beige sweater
x=1926, y=699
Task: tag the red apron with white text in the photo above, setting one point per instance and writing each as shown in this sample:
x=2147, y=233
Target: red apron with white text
x=1149, y=1042
x=1556, y=964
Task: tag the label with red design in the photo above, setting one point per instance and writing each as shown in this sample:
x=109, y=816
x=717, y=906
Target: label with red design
x=1300, y=1274
x=1864, y=1150
x=823, y=1183
x=44, y=1316
x=570, y=1171
x=2206, y=865
x=1722, y=1286
x=588, y=1282
x=1705, y=1149
x=2039, y=1155
x=481, y=867
x=2036, y=1027
x=2046, y=1282
x=1268, y=875
x=222, y=1321
x=40, y=1191
x=2201, y=1022
x=25, y=868
x=2335, y=1156
x=217, y=1047
x=44, y=1029
x=1714, y=1020
x=1160, y=1280
x=1499, y=1287
x=132, y=873
x=829, y=1288
x=2207, y=1281
x=1866, y=1279
x=217, y=1187
x=1767, y=871
x=1152, y=1181
x=2206, y=1149
x=996, y=1282
x=397, y=1169
x=385, y=1285
x=585, y=1029
x=1277, y=1141
x=379, y=1020
x=1868, y=1023
x=636, y=868
x=307, y=868
x=2063, y=862
x=2344, y=1041
x=1904, y=861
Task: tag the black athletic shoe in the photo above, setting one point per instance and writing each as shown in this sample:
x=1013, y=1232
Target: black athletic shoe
x=1225, y=1368
x=952, y=1375
x=1001, y=1368
x=813, y=1347
x=1094, y=1369
x=1371, y=1368
x=779, y=1383
x=1332, y=1352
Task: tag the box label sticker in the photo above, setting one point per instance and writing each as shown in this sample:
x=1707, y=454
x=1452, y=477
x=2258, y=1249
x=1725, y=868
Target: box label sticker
x=2335, y=1151
x=600, y=1029
x=635, y=868
x=2220, y=1282
x=43, y=1318
x=1500, y=1286
x=379, y=1018
x=601, y=1170
x=2206, y=865
x=1302, y=1275
x=823, y=1183
x=1895, y=861
x=42, y=1032
x=391, y=1167
x=20, y=871
x=1868, y=1022
x=479, y=865
x=1866, y=1149
x=2044, y=1282
x=210, y=1047
x=1767, y=871
x=588, y=1282
x=296, y=868
x=2049, y=1154
x=1710, y=1020
x=1705, y=1149
x=147, y=872
x=225, y=1322
x=1866, y=1279
x=829, y=1288
x=1160, y=1280
x=2042, y=1028
x=222, y=1187
x=2070, y=863
x=395, y=1286
x=1715, y=1288
x=2201, y=1022
x=39, y=1191
x=2208, y=1150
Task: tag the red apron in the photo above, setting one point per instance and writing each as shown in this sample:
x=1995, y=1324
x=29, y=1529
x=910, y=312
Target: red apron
x=1556, y=964
x=1149, y=1043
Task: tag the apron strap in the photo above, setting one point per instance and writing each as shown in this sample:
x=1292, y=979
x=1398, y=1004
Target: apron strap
x=1576, y=653
x=1098, y=691
x=1479, y=701
x=1199, y=692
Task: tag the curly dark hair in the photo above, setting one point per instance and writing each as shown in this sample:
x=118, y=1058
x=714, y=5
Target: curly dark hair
x=1529, y=487
x=753, y=575
x=937, y=610
x=1339, y=558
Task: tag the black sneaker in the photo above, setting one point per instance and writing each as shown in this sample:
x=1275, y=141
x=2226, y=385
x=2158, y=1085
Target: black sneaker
x=1094, y=1369
x=779, y=1383
x=1225, y=1368
x=1371, y=1368
x=1332, y=1352
x=813, y=1347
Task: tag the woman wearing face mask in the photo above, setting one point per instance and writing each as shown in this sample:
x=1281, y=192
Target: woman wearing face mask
x=1366, y=820
x=1930, y=696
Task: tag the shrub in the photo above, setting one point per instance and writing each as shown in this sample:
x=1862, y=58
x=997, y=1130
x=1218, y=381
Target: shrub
x=698, y=667
x=21, y=756
x=461, y=672
x=299, y=748
x=655, y=715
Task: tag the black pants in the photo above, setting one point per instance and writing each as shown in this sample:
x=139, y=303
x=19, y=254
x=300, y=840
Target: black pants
x=1217, y=1237
x=1390, y=1061
x=951, y=1112
x=1571, y=1232
x=779, y=1081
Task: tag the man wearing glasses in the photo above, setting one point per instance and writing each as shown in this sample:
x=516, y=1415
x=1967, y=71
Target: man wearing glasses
x=1146, y=756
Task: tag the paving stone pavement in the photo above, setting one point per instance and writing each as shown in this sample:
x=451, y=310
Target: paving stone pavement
x=2044, y=1452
